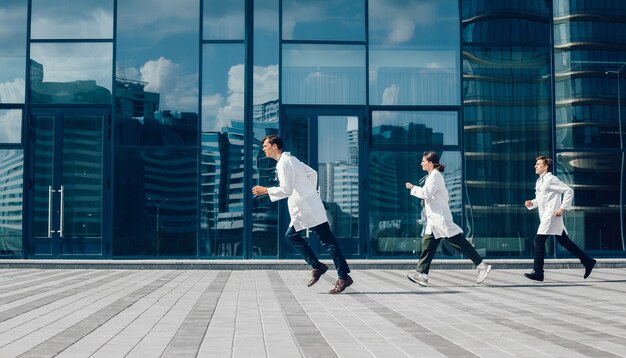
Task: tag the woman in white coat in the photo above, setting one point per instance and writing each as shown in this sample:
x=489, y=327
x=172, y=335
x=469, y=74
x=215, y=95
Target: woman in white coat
x=439, y=222
x=298, y=183
x=548, y=192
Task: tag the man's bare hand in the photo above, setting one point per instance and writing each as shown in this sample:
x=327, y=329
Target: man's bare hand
x=558, y=212
x=259, y=190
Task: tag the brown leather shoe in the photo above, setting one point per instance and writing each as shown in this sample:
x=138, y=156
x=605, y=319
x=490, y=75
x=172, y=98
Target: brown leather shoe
x=341, y=285
x=316, y=274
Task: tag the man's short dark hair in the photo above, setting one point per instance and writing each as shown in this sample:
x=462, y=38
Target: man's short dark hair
x=273, y=139
x=547, y=161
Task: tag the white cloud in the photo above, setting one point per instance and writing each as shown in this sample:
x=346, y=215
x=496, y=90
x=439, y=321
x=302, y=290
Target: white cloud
x=402, y=30
x=178, y=15
x=406, y=15
x=95, y=23
x=178, y=91
x=233, y=107
x=10, y=126
x=75, y=62
x=265, y=84
x=390, y=95
x=13, y=91
x=211, y=105
x=301, y=12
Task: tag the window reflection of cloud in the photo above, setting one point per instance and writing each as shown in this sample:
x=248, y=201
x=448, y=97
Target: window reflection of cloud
x=219, y=110
x=265, y=84
x=396, y=21
x=12, y=91
x=10, y=126
x=98, y=23
x=13, y=30
x=178, y=91
x=301, y=12
x=145, y=17
x=74, y=62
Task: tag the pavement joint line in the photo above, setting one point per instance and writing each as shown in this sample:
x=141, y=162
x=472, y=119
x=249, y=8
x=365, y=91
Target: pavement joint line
x=40, y=302
x=64, y=339
x=192, y=331
x=309, y=338
x=439, y=343
x=432, y=312
x=538, y=333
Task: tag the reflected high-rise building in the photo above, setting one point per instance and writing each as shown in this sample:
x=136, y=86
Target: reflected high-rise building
x=11, y=176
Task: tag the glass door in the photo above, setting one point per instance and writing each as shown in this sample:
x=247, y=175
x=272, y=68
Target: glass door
x=68, y=165
x=328, y=141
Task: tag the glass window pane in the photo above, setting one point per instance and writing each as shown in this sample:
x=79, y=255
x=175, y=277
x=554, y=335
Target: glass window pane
x=511, y=22
x=507, y=121
x=415, y=128
x=265, y=116
x=414, y=54
x=13, y=51
x=72, y=19
x=593, y=221
x=71, y=73
x=155, y=203
x=222, y=181
x=157, y=73
x=395, y=226
x=322, y=20
x=82, y=175
x=11, y=194
x=224, y=20
x=323, y=74
x=11, y=126
x=338, y=175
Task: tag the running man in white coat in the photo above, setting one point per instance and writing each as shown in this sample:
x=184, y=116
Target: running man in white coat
x=548, y=192
x=298, y=183
x=439, y=222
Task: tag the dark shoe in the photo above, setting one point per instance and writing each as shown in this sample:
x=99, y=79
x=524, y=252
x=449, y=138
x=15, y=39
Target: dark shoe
x=588, y=267
x=536, y=276
x=316, y=274
x=341, y=285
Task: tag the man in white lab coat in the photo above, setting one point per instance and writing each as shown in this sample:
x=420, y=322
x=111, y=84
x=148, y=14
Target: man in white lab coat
x=548, y=192
x=298, y=183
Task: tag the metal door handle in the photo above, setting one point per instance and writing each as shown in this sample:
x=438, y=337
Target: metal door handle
x=62, y=212
x=49, y=211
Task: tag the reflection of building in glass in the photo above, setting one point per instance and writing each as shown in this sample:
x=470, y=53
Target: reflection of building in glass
x=222, y=190
x=506, y=119
x=406, y=133
x=11, y=178
x=84, y=91
x=131, y=100
x=339, y=187
x=264, y=213
x=140, y=122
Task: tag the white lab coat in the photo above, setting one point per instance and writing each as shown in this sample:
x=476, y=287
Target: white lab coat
x=298, y=183
x=435, y=195
x=548, y=192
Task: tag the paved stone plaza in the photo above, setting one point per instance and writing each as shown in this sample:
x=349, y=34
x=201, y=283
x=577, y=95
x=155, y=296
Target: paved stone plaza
x=271, y=313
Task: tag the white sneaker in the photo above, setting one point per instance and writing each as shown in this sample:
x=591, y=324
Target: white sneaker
x=483, y=271
x=419, y=278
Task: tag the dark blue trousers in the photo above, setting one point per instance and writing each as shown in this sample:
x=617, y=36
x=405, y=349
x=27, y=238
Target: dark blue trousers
x=329, y=242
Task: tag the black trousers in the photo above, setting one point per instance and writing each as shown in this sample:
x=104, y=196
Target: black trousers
x=563, y=240
x=329, y=242
x=429, y=248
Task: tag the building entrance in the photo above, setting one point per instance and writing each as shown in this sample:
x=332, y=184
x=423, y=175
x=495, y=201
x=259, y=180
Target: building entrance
x=328, y=141
x=68, y=192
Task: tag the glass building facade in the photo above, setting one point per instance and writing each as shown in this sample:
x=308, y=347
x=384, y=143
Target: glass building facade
x=132, y=129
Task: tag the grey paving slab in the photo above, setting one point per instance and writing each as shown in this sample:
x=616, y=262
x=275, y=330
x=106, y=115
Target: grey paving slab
x=271, y=313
